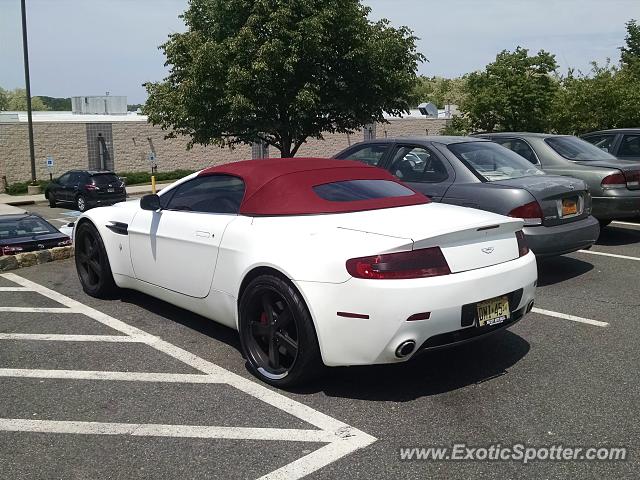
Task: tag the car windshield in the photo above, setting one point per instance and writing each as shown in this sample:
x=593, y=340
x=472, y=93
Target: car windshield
x=354, y=190
x=105, y=179
x=24, y=227
x=493, y=162
x=574, y=148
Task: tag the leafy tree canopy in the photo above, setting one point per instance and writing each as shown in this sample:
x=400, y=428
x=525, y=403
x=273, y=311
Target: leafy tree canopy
x=630, y=53
x=16, y=100
x=281, y=71
x=438, y=90
x=514, y=93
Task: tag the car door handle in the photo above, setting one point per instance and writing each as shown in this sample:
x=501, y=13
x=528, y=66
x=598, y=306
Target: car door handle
x=200, y=233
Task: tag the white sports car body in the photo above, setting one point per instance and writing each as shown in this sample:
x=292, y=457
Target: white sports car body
x=314, y=261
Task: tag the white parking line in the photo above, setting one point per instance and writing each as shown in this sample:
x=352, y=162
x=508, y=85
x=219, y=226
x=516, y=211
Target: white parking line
x=109, y=376
x=631, y=224
x=35, y=310
x=341, y=438
x=157, y=430
x=614, y=255
x=573, y=318
x=14, y=289
x=46, y=337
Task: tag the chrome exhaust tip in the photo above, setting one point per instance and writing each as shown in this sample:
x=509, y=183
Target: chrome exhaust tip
x=530, y=306
x=405, y=349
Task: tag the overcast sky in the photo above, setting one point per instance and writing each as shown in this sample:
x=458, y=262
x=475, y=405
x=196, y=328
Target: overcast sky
x=88, y=47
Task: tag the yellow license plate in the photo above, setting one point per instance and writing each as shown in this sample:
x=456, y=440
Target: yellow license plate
x=569, y=207
x=493, y=312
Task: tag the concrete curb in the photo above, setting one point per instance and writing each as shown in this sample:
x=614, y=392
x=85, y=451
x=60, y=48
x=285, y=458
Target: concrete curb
x=29, y=259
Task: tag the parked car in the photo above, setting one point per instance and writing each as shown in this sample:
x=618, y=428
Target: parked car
x=477, y=173
x=86, y=189
x=313, y=261
x=614, y=184
x=622, y=143
x=26, y=232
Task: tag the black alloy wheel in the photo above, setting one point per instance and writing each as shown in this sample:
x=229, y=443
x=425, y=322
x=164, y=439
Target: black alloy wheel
x=92, y=263
x=277, y=333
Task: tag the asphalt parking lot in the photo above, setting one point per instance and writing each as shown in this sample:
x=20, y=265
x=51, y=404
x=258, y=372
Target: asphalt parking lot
x=136, y=388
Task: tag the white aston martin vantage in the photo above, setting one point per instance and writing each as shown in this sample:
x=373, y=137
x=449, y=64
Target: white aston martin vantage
x=315, y=262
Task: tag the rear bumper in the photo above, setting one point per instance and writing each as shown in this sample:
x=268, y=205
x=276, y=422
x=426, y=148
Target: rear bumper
x=107, y=199
x=612, y=208
x=450, y=301
x=560, y=239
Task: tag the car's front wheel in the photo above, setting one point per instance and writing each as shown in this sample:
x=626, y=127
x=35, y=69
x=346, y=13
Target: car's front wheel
x=52, y=200
x=277, y=333
x=92, y=263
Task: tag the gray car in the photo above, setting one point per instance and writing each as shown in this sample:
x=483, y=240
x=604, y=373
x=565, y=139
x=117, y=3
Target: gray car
x=477, y=173
x=614, y=184
x=622, y=143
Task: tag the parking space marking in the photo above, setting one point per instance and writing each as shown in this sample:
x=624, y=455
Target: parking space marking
x=631, y=224
x=158, y=430
x=573, y=318
x=109, y=376
x=69, y=338
x=13, y=289
x=614, y=255
x=36, y=310
x=340, y=439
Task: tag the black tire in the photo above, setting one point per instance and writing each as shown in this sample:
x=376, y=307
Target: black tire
x=604, y=223
x=52, y=200
x=81, y=203
x=92, y=263
x=277, y=334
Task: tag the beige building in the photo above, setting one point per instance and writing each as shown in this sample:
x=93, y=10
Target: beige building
x=123, y=143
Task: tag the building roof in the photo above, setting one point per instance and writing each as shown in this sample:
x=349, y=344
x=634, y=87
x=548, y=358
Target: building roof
x=284, y=186
x=48, y=116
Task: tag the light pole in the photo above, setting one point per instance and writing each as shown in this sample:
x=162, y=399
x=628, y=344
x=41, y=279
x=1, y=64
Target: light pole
x=28, y=88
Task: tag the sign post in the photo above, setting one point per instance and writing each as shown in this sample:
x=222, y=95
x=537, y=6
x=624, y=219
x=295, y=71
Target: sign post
x=50, y=167
x=154, y=169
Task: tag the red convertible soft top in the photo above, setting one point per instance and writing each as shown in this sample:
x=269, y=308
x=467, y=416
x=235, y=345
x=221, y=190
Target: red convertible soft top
x=285, y=186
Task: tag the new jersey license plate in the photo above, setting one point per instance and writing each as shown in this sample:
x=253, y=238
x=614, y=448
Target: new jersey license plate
x=493, y=312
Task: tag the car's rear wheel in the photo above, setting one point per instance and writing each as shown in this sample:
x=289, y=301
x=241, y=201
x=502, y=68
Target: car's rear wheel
x=277, y=334
x=92, y=263
x=81, y=203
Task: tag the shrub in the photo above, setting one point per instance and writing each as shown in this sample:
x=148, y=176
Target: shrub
x=136, y=178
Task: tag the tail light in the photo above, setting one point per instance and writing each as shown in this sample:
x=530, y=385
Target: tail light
x=90, y=187
x=426, y=262
x=11, y=250
x=633, y=180
x=531, y=213
x=523, y=248
x=616, y=180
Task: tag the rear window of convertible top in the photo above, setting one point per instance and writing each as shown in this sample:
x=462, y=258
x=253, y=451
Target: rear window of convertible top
x=355, y=190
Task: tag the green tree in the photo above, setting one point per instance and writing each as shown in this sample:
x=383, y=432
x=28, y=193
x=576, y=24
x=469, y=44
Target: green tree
x=441, y=91
x=17, y=101
x=516, y=92
x=4, y=99
x=630, y=53
x=281, y=71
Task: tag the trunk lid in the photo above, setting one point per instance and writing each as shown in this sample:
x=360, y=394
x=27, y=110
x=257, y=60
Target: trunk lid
x=562, y=199
x=469, y=238
x=630, y=170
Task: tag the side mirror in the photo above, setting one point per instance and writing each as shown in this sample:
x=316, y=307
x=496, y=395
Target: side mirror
x=150, y=202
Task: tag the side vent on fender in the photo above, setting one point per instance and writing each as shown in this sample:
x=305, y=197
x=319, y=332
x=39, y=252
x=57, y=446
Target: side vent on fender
x=119, y=228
